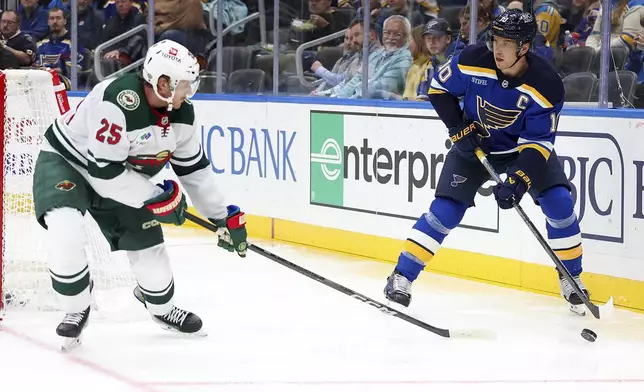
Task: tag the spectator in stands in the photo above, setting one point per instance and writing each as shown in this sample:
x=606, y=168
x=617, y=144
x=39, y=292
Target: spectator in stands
x=323, y=20
x=182, y=21
x=387, y=66
x=233, y=12
x=18, y=50
x=515, y=5
x=374, y=9
x=428, y=8
x=90, y=25
x=358, y=37
x=549, y=21
x=573, y=12
x=346, y=66
x=127, y=17
x=626, y=23
x=110, y=8
x=492, y=7
x=124, y=52
x=55, y=51
x=634, y=64
x=420, y=61
x=398, y=7
x=33, y=19
x=62, y=4
x=484, y=21
x=438, y=40
x=585, y=27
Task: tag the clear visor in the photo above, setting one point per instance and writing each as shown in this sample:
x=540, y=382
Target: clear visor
x=186, y=88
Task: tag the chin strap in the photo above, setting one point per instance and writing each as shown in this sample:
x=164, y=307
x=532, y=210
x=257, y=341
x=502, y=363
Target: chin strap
x=516, y=61
x=518, y=58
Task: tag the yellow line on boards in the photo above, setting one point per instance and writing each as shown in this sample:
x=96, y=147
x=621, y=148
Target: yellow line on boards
x=470, y=265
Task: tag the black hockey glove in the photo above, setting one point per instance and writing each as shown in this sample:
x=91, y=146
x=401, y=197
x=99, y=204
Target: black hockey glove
x=232, y=231
x=466, y=137
x=510, y=192
x=168, y=207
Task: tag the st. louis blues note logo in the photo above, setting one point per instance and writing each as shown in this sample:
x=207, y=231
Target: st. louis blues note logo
x=493, y=117
x=458, y=179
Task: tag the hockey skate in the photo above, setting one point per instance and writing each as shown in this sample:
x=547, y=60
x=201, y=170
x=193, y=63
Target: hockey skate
x=576, y=305
x=71, y=329
x=177, y=320
x=398, y=289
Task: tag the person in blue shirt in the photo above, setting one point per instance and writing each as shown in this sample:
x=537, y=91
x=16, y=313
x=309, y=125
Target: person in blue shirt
x=110, y=10
x=55, y=51
x=512, y=99
x=33, y=19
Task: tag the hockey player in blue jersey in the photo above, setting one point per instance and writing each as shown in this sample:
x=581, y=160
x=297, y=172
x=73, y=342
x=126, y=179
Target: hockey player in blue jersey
x=511, y=105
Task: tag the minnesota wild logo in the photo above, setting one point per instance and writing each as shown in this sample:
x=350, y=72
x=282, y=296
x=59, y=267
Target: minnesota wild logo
x=65, y=186
x=128, y=99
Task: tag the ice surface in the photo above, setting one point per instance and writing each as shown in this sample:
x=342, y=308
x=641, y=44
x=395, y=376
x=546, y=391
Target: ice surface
x=272, y=329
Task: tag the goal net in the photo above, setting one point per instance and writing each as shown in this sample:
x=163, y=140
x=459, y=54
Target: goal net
x=30, y=101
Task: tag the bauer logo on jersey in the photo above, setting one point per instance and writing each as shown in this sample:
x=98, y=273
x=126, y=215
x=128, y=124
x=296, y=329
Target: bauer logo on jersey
x=493, y=117
x=128, y=99
x=65, y=186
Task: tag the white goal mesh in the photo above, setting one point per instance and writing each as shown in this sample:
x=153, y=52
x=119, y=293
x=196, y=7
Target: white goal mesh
x=28, y=107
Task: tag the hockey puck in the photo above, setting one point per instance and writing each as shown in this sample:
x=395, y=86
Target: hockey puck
x=588, y=335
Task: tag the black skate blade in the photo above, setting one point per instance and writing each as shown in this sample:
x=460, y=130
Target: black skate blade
x=199, y=334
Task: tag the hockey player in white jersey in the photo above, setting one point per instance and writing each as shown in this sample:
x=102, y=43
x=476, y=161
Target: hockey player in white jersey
x=98, y=159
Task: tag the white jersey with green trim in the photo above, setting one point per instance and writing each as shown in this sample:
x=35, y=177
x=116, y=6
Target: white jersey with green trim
x=117, y=142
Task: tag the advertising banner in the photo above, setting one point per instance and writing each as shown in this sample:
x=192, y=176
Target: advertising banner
x=374, y=170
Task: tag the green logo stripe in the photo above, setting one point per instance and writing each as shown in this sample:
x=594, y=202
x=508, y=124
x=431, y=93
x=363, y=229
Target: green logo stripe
x=327, y=166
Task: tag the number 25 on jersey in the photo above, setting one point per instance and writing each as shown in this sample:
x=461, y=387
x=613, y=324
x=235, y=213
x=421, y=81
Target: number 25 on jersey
x=114, y=132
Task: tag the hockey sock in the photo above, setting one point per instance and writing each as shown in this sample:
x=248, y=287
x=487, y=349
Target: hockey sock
x=564, y=235
x=153, y=273
x=427, y=234
x=67, y=259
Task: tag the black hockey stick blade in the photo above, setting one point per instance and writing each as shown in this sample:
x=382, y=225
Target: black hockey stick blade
x=597, y=311
x=446, y=333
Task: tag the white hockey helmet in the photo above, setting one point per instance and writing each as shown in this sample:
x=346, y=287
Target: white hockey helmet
x=171, y=59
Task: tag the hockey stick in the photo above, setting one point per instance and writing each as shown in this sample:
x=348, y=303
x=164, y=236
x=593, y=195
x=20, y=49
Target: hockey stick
x=329, y=283
x=597, y=311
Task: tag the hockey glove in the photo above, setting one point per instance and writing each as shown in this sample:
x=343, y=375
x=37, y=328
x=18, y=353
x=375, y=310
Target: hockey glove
x=510, y=192
x=232, y=231
x=466, y=137
x=168, y=207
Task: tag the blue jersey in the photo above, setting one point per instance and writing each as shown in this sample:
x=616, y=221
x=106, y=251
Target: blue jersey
x=517, y=113
x=56, y=52
x=109, y=10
